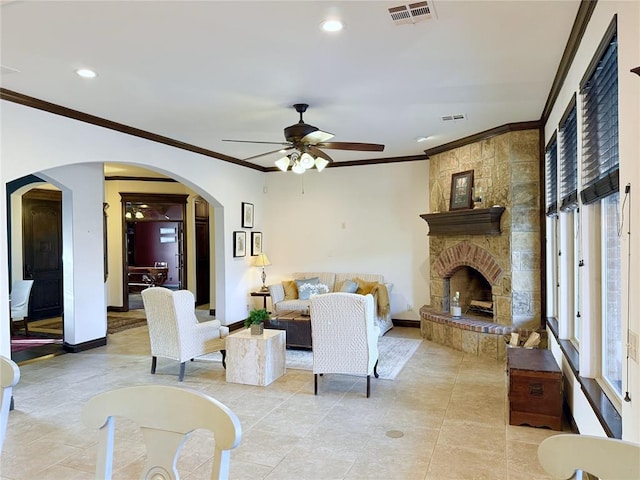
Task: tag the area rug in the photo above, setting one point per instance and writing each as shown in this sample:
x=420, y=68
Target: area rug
x=20, y=344
x=394, y=353
x=116, y=322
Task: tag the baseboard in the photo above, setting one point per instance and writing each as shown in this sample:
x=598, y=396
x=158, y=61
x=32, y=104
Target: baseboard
x=236, y=326
x=81, y=347
x=116, y=309
x=399, y=322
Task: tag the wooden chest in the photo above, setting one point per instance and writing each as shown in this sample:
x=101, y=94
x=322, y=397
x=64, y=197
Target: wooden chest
x=535, y=388
x=297, y=326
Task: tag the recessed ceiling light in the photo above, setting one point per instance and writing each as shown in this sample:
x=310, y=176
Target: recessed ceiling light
x=86, y=73
x=332, y=25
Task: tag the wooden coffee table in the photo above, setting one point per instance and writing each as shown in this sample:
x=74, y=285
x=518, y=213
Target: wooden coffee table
x=297, y=326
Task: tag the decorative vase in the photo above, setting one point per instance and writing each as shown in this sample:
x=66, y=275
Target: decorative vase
x=257, y=328
x=456, y=311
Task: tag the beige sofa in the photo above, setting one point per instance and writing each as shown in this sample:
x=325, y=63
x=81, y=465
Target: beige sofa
x=334, y=282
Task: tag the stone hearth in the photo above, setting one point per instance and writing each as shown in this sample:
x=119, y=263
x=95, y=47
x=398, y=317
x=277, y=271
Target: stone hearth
x=470, y=335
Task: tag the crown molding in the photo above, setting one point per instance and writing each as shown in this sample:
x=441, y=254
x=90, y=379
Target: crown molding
x=32, y=102
x=477, y=137
x=583, y=16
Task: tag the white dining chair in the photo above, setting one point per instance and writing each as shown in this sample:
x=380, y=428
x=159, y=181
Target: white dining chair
x=166, y=415
x=606, y=458
x=9, y=377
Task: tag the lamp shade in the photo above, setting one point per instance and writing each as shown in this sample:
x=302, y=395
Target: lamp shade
x=283, y=163
x=321, y=163
x=262, y=260
x=306, y=161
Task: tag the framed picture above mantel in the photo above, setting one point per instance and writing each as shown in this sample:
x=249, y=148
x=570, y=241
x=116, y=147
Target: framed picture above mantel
x=461, y=186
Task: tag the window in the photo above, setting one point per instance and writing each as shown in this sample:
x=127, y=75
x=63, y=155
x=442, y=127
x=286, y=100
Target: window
x=611, y=295
x=551, y=200
x=600, y=126
x=569, y=158
x=568, y=134
x=599, y=168
x=551, y=161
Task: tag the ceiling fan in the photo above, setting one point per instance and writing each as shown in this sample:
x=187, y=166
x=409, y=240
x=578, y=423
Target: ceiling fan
x=306, y=141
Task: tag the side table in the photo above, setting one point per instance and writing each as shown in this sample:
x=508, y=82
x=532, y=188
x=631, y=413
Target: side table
x=255, y=359
x=264, y=296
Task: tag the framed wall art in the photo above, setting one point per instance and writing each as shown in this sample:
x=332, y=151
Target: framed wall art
x=239, y=244
x=247, y=215
x=461, y=185
x=256, y=243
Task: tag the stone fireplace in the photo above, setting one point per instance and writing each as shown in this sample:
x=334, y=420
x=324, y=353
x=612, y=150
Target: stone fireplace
x=490, y=255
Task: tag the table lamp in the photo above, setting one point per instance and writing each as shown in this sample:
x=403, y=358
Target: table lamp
x=263, y=261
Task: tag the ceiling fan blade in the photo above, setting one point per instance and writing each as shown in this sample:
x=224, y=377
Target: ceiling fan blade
x=252, y=141
x=268, y=153
x=316, y=137
x=319, y=153
x=364, y=147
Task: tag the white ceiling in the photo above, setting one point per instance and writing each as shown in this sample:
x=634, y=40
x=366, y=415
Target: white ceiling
x=203, y=71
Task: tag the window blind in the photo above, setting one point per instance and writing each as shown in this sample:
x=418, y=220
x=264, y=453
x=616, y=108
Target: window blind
x=600, y=126
x=569, y=160
x=551, y=160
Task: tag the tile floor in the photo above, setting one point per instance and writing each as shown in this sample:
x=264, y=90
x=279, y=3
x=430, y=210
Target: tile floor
x=443, y=418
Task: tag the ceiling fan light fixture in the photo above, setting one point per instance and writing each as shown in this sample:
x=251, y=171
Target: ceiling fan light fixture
x=307, y=161
x=321, y=163
x=297, y=168
x=283, y=163
x=139, y=214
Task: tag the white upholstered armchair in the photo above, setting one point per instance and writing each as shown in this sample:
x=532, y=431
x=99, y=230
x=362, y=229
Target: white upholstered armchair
x=345, y=339
x=174, y=330
x=20, y=294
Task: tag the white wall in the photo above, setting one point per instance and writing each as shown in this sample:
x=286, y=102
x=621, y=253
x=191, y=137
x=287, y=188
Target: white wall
x=352, y=219
x=629, y=143
x=85, y=310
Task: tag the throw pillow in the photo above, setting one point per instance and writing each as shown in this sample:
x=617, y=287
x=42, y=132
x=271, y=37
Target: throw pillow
x=303, y=291
x=349, y=286
x=290, y=289
x=365, y=287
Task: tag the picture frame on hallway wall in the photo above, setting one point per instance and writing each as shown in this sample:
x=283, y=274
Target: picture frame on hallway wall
x=461, y=185
x=256, y=243
x=239, y=243
x=247, y=215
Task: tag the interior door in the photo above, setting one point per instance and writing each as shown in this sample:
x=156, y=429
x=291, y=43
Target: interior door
x=42, y=251
x=202, y=262
x=203, y=269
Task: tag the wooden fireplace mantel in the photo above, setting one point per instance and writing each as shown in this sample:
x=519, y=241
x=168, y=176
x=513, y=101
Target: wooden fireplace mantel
x=479, y=221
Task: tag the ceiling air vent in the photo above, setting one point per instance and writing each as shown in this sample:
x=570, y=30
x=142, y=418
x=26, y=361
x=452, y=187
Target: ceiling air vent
x=459, y=116
x=412, y=13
